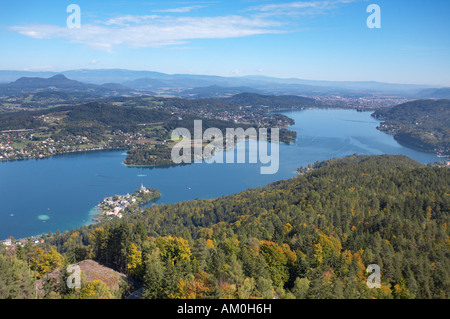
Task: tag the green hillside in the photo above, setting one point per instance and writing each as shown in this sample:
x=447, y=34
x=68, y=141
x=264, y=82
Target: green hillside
x=311, y=236
x=423, y=124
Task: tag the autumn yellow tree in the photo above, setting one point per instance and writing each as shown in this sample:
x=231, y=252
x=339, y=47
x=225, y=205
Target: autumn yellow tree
x=276, y=261
x=135, y=265
x=96, y=289
x=173, y=249
x=193, y=287
x=45, y=263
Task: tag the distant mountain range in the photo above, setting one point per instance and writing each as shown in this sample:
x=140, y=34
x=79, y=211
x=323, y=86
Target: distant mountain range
x=125, y=81
x=59, y=83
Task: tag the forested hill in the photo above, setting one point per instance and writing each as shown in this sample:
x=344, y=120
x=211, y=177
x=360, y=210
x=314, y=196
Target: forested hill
x=59, y=83
x=441, y=93
x=424, y=124
x=93, y=112
x=311, y=236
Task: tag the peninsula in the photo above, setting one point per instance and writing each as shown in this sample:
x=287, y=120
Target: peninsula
x=141, y=125
x=421, y=124
x=117, y=205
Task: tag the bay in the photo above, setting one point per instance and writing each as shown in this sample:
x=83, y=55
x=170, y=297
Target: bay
x=59, y=193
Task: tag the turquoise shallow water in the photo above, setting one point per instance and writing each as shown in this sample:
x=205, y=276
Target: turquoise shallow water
x=59, y=193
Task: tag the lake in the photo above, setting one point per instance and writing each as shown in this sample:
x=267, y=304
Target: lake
x=59, y=193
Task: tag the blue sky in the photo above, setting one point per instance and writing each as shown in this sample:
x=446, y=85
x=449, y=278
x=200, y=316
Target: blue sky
x=311, y=39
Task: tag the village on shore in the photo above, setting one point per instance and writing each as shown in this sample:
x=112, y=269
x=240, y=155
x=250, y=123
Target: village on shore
x=117, y=205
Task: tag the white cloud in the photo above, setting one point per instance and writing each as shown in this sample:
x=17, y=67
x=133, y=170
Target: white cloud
x=94, y=61
x=237, y=71
x=300, y=7
x=139, y=31
x=152, y=31
x=129, y=19
x=180, y=9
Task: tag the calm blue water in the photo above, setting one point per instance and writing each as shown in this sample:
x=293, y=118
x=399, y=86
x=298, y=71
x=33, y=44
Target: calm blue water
x=38, y=196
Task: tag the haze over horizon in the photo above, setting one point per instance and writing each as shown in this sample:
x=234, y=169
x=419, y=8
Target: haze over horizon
x=47, y=74
x=323, y=40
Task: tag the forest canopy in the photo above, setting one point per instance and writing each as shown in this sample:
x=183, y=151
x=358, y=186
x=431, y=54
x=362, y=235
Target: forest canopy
x=311, y=236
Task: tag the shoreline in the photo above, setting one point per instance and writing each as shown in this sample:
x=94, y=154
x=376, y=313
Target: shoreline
x=406, y=143
x=3, y=160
